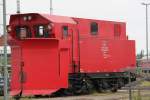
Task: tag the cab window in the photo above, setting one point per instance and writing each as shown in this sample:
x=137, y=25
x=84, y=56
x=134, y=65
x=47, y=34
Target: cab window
x=65, y=31
x=23, y=32
x=41, y=31
x=94, y=28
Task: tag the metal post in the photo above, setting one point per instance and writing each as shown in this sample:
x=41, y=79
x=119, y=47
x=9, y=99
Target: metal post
x=5, y=53
x=130, y=91
x=18, y=6
x=51, y=7
x=146, y=5
x=147, y=29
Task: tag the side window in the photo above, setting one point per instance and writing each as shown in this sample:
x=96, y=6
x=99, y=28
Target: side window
x=117, y=30
x=94, y=28
x=65, y=31
x=23, y=32
x=41, y=31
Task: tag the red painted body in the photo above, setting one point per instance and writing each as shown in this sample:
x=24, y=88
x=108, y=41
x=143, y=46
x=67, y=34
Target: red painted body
x=42, y=65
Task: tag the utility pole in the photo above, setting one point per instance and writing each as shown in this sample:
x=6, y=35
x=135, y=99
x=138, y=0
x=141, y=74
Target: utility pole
x=18, y=6
x=146, y=6
x=51, y=7
x=5, y=53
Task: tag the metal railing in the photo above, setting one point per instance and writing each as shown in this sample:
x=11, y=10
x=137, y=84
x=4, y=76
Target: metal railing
x=2, y=66
x=2, y=60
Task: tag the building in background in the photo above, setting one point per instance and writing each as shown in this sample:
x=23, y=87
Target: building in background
x=144, y=66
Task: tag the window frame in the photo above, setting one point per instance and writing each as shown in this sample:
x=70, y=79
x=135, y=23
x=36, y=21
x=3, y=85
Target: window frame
x=46, y=33
x=41, y=30
x=28, y=31
x=65, y=33
x=94, y=28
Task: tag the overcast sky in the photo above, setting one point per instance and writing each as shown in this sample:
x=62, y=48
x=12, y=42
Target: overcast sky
x=129, y=11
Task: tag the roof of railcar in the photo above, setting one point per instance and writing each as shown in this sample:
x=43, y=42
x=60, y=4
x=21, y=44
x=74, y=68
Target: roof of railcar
x=64, y=19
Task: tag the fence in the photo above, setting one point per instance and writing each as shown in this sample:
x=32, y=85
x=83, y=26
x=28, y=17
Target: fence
x=2, y=61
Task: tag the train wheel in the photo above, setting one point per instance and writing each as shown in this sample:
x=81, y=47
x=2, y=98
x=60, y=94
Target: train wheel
x=98, y=86
x=89, y=86
x=114, y=90
x=120, y=83
x=99, y=89
x=84, y=86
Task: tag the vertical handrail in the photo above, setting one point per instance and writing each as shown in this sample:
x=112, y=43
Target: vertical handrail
x=78, y=50
x=72, y=43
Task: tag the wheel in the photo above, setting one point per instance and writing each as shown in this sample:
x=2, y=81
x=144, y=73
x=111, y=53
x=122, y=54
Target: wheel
x=89, y=86
x=98, y=86
x=114, y=90
x=120, y=83
x=83, y=86
x=99, y=90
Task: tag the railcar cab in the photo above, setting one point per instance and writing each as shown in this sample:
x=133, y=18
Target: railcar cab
x=30, y=26
x=37, y=43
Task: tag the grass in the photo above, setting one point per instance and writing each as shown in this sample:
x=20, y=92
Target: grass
x=137, y=95
x=145, y=84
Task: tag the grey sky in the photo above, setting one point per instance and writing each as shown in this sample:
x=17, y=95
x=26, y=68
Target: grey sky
x=130, y=11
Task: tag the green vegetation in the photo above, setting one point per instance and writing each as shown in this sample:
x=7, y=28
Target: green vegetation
x=2, y=60
x=137, y=95
x=145, y=84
